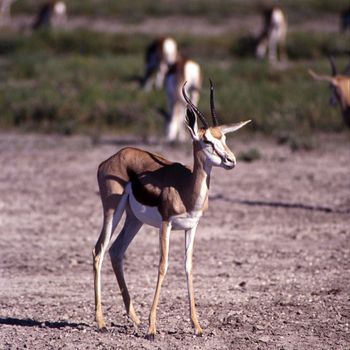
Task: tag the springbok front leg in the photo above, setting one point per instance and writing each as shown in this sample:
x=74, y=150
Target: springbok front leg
x=164, y=238
x=189, y=241
x=159, y=81
x=272, y=44
x=131, y=226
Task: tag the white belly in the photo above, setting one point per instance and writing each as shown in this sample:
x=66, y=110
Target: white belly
x=151, y=216
x=146, y=214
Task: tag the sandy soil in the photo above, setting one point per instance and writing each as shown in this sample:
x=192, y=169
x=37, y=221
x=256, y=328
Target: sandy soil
x=271, y=260
x=251, y=24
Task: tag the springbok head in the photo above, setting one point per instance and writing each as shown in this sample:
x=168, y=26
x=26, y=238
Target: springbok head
x=211, y=140
x=340, y=85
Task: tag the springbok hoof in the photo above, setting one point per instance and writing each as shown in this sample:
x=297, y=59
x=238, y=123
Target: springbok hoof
x=198, y=333
x=150, y=337
x=103, y=329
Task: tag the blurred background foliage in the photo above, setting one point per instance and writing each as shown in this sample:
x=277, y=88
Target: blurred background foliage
x=83, y=81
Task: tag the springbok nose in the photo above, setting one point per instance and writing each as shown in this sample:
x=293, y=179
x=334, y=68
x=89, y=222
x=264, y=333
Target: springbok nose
x=231, y=159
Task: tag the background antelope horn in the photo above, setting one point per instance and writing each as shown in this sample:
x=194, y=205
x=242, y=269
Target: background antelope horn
x=334, y=68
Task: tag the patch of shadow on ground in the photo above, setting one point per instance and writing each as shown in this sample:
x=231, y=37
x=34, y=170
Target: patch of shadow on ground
x=27, y=322
x=278, y=204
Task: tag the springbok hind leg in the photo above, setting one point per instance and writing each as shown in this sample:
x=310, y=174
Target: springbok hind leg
x=131, y=226
x=97, y=255
x=111, y=217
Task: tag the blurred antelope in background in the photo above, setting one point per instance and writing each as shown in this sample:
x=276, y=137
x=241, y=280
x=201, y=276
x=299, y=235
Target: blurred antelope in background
x=340, y=86
x=5, y=12
x=182, y=71
x=345, y=20
x=169, y=196
x=160, y=54
x=272, y=41
x=52, y=13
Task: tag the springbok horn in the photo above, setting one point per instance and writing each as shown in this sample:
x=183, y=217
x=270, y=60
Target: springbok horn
x=347, y=68
x=212, y=105
x=334, y=68
x=321, y=77
x=198, y=112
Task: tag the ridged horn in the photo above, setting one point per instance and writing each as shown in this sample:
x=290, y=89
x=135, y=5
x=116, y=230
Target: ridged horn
x=195, y=109
x=212, y=104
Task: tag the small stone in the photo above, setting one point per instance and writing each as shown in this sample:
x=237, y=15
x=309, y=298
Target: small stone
x=264, y=339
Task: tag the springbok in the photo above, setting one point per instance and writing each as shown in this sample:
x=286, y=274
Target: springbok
x=51, y=13
x=160, y=54
x=340, y=85
x=5, y=12
x=169, y=196
x=273, y=36
x=182, y=71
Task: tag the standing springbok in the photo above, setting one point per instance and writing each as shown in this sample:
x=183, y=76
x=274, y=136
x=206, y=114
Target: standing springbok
x=273, y=37
x=51, y=13
x=182, y=71
x=340, y=85
x=160, y=54
x=169, y=196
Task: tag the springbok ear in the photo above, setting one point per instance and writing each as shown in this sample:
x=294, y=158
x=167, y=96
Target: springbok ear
x=225, y=129
x=191, y=123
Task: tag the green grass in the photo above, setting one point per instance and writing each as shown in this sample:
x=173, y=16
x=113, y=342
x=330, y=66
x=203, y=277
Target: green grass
x=299, y=45
x=84, y=81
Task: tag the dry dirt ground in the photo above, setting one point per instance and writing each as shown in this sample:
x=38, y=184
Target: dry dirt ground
x=271, y=259
x=178, y=25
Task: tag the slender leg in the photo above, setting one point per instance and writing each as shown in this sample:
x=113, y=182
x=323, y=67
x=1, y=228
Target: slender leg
x=131, y=226
x=261, y=49
x=163, y=67
x=98, y=254
x=164, y=238
x=273, y=46
x=110, y=221
x=172, y=128
x=182, y=134
x=282, y=46
x=190, y=234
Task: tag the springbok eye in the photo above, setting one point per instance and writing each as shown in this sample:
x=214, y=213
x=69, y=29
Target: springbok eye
x=208, y=142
